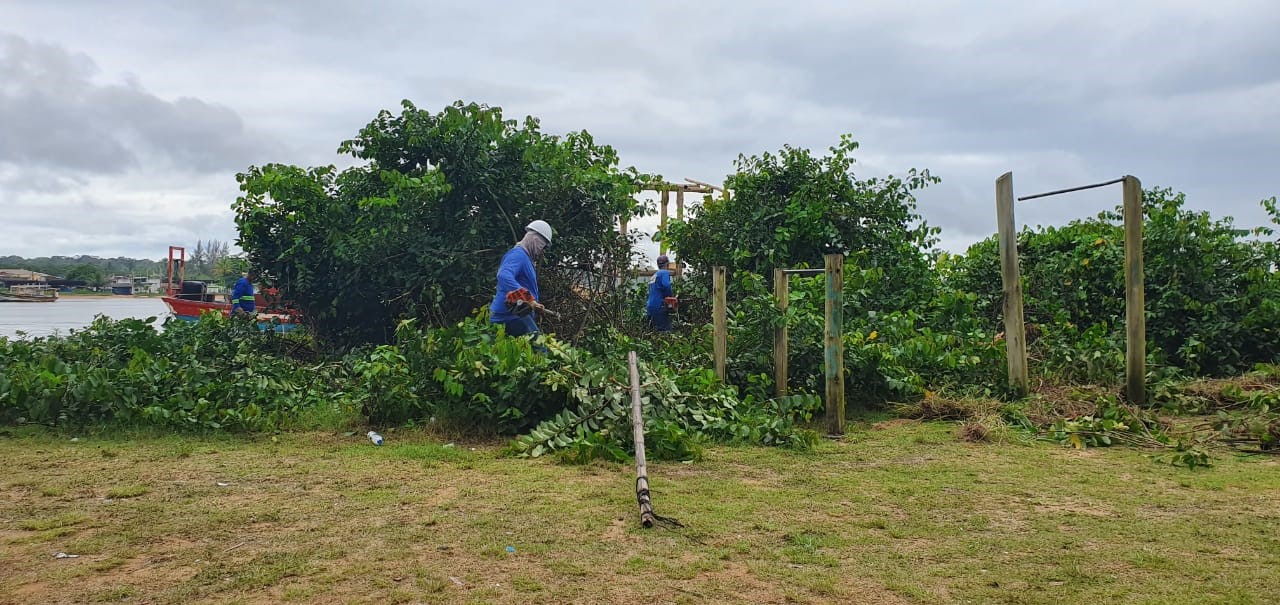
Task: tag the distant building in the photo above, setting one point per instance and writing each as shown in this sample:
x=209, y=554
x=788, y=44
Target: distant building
x=122, y=285
x=24, y=276
x=148, y=285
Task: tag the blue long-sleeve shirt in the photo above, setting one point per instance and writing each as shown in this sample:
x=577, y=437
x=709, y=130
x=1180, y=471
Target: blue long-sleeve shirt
x=242, y=294
x=515, y=272
x=659, y=288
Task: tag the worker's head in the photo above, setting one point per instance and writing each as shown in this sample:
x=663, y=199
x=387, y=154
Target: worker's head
x=537, y=237
x=663, y=261
x=541, y=228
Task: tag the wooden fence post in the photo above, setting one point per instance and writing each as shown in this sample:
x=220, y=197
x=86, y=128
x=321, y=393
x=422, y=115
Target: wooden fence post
x=720, y=321
x=781, y=292
x=1135, y=297
x=1015, y=333
x=834, y=346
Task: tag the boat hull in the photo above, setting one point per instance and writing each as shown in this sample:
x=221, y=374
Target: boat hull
x=191, y=310
x=27, y=298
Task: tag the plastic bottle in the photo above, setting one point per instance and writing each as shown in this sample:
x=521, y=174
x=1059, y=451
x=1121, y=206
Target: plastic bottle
x=375, y=438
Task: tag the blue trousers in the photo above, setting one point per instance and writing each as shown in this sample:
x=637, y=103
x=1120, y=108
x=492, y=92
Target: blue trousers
x=520, y=326
x=659, y=321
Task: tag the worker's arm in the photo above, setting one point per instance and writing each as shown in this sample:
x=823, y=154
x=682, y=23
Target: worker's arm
x=531, y=279
x=509, y=273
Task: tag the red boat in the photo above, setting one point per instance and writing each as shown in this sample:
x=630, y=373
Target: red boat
x=188, y=300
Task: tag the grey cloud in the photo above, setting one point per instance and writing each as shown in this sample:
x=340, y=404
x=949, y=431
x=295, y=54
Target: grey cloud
x=81, y=225
x=56, y=116
x=37, y=180
x=1180, y=94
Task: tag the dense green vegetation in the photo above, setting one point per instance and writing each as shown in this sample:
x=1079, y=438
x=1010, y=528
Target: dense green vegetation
x=1212, y=291
x=389, y=261
x=211, y=374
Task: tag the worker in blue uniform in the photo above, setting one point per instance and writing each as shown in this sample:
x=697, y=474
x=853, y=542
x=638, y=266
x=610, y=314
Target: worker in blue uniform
x=516, y=272
x=656, y=310
x=242, y=295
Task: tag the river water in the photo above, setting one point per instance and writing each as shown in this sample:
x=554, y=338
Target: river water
x=73, y=312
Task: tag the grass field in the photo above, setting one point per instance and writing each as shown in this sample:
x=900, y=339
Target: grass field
x=896, y=513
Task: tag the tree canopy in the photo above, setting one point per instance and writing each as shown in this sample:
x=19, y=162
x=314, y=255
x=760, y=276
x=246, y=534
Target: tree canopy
x=417, y=230
x=789, y=209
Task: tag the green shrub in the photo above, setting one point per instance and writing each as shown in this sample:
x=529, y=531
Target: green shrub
x=215, y=373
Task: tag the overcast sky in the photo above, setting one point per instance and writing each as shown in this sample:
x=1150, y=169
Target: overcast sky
x=122, y=124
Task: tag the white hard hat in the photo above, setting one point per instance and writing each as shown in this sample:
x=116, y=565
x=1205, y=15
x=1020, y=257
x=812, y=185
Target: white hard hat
x=541, y=228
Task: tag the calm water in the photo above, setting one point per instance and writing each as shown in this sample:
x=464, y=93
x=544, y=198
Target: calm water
x=43, y=319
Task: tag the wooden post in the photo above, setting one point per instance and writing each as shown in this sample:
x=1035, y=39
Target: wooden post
x=679, y=217
x=780, y=294
x=720, y=321
x=833, y=351
x=637, y=428
x=1135, y=297
x=622, y=226
x=1015, y=333
x=662, y=221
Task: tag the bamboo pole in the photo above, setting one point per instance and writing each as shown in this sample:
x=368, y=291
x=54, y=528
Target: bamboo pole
x=833, y=351
x=708, y=186
x=781, y=289
x=1015, y=333
x=1135, y=297
x=720, y=321
x=637, y=427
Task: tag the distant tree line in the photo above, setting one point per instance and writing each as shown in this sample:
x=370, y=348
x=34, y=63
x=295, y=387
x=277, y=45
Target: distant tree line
x=208, y=260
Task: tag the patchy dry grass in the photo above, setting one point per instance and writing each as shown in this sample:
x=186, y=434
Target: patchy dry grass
x=902, y=513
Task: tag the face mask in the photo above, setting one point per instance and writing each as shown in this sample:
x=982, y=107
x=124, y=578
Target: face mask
x=534, y=245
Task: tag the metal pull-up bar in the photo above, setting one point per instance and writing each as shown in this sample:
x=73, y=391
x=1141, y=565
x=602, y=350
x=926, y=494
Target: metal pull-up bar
x=1081, y=188
x=1135, y=300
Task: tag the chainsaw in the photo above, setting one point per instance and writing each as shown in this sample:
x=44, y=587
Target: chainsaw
x=521, y=302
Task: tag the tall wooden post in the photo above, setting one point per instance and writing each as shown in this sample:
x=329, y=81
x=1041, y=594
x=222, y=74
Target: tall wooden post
x=833, y=351
x=720, y=321
x=679, y=217
x=1015, y=333
x=662, y=221
x=781, y=292
x=1135, y=297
